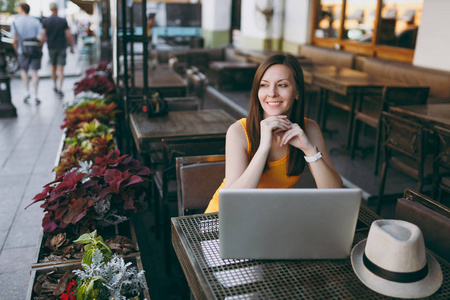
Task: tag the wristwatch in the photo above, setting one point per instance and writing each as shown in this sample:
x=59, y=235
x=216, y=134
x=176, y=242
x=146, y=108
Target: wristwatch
x=315, y=157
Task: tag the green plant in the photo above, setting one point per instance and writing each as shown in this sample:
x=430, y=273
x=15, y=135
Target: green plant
x=103, y=276
x=93, y=242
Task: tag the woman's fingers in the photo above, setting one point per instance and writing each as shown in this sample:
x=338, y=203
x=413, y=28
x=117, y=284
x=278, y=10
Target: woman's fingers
x=277, y=122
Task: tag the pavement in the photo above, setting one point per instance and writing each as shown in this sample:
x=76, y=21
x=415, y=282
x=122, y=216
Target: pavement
x=28, y=147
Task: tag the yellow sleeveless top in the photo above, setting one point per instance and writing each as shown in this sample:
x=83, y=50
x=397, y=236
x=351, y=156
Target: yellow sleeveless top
x=274, y=177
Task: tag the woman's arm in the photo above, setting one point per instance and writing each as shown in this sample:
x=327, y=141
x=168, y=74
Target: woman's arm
x=322, y=170
x=238, y=172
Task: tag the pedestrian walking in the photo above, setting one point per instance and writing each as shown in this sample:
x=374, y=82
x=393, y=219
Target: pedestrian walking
x=58, y=36
x=74, y=30
x=26, y=27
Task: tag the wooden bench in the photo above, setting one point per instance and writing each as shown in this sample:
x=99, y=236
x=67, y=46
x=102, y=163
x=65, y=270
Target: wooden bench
x=438, y=81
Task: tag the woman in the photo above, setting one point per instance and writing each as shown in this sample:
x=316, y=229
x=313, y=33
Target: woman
x=270, y=148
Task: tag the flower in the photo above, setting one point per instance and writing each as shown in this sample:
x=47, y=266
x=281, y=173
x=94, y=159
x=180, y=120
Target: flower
x=70, y=288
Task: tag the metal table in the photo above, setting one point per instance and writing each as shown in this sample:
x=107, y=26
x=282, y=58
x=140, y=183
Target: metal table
x=195, y=240
x=430, y=114
x=147, y=130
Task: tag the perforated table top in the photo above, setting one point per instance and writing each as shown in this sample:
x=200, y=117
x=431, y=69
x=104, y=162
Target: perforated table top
x=196, y=243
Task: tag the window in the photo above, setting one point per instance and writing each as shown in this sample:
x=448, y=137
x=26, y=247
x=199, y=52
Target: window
x=382, y=28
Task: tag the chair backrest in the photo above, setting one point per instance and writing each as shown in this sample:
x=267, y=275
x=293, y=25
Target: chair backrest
x=199, y=83
x=183, y=103
x=175, y=65
x=432, y=218
x=442, y=154
x=198, y=177
x=396, y=96
x=192, y=146
x=404, y=136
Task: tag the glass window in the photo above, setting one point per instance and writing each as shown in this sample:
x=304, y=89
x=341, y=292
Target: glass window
x=399, y=23
x=328, y=18
x=359, y=20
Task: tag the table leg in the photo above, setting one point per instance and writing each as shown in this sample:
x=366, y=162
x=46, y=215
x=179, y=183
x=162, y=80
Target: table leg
x=351, y=117
x=323, y=95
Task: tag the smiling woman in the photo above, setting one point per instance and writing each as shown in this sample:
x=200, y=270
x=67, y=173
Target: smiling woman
x=270, y=148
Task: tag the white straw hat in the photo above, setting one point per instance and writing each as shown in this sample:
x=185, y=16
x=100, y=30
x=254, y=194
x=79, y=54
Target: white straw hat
x=393, y=261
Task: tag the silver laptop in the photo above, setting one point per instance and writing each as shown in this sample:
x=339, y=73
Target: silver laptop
x=287, y=223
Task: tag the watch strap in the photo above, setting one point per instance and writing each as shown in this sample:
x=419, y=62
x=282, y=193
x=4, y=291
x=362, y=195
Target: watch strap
x=315, y=157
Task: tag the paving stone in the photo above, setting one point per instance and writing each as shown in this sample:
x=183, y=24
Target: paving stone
x=23, y=233
x=14, y=285
x=10, y=169
x=7, y=213
x=16, y=259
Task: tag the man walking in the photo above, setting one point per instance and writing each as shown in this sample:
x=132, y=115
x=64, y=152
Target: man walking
x=25, y=27
x=57, y=32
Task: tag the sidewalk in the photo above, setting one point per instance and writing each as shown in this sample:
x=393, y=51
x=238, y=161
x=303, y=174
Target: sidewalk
x=28, y=147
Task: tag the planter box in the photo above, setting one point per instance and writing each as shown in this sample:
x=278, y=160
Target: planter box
x=60, y=149
x=63, y=267
x=126, y=229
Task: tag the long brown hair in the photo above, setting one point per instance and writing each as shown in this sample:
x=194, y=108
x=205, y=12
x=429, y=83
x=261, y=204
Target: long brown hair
x=256, y=113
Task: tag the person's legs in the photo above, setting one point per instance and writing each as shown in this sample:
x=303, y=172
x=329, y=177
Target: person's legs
x=61, y=79
x=54, y=77
x=53, y=53
x=25, y=80
x=24, y=64
x=35, y=65
x=35, y=79
x=61, y=62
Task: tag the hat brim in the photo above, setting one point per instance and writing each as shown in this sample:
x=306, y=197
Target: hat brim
x=419, y=289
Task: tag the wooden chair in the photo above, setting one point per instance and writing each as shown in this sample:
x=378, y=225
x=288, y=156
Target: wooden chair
x=404, y=145
x=198, y=178
x=432, y=218
x=172, y=148
x=175, y=65
x=197, y=83
x=370, y=108
x=441, y=165
x=189, y=74
x=165, y=179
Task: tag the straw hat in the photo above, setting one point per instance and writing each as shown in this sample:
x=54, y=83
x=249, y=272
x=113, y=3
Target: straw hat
x=393, y=261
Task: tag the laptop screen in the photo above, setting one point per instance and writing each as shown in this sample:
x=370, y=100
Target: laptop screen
x=287, y=223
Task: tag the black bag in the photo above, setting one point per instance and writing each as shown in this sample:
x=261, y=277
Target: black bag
x=31, y=48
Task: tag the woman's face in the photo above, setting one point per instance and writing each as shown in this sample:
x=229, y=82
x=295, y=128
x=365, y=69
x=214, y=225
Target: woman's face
x=277, y=91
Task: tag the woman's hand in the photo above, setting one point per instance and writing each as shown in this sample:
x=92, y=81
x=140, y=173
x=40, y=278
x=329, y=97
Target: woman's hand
x=296, y=137
x=273, y=125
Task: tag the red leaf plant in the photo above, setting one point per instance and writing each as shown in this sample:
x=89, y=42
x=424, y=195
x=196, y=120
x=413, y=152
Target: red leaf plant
x=87, y=112
x=96, y=83
x=103, y=68
x=90, y=199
